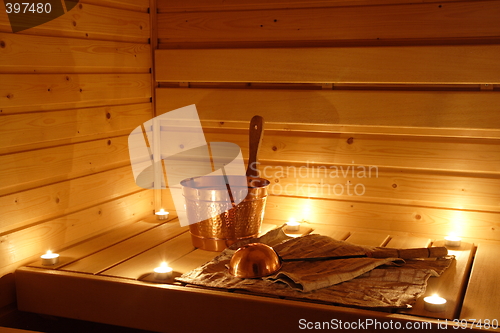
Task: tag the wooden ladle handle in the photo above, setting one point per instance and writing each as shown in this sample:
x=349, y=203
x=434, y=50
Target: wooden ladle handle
x=256, y=129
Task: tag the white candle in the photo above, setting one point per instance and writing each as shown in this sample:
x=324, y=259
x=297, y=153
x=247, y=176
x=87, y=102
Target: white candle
x=162, y=214
x=49, y=258
x=292, y=225
x=452, y=241
x=434, y=303
x=163, y=272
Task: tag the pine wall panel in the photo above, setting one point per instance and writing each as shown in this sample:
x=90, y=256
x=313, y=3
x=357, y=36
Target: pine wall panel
x=409, y=88
x=71, y=90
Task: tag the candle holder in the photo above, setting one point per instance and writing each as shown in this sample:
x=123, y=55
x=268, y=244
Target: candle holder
x=434, y=303
x=452, y=241
x=163, y=272
x=292, y=225
x=49, y=258
x=162, y=214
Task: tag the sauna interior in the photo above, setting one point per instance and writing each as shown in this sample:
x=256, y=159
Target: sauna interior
x=381, y=123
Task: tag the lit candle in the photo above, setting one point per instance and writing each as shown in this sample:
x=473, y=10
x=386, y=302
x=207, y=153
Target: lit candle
x=49, y=258
x=163, y=272
x=434, y=303
x=452, y=241
x=162, y=214
x=292, y=225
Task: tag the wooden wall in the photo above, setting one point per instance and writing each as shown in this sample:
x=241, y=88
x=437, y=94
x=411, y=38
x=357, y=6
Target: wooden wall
x=71, y=90
x=408, y=87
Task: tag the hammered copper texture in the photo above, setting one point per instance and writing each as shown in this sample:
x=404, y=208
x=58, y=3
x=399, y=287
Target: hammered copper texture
x=244, y=220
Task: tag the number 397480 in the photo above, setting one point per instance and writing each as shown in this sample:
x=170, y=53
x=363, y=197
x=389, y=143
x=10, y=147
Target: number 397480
x=28, y=7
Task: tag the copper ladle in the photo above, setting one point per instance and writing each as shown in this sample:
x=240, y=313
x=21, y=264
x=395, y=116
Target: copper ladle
x=258, y=260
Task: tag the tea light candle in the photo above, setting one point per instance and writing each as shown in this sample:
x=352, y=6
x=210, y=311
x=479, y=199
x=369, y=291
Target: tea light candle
x=292, y=225
x=434, y=303
x=162, y=214
x=49, y=258
x=163, y=272
x=452, y=241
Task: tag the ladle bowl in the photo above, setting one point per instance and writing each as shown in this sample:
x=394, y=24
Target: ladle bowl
x=254, y=260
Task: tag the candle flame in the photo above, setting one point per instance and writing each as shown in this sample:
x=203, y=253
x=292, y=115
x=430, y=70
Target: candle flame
x=49, y=252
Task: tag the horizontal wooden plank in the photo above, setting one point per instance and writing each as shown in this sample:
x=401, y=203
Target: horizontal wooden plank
x=403, y=64
x=376, y=151
x=48, y=202
x=167, y=6
x=330, y=231
x=408, y=242
x=399, y=131
x=143, y=264
x=98, y=243
x=455, y=113
x=37, y=130
x=368, y=238
x=393, y=219
x=38, y=92
x=120, y=252
x=431, y=21
x=178, y=252
x=35, y=168
x=89, y=21
x=382, y=185
x=450, y=285
x=192, y=260
x=39, y=54
x=24, y=246
x=135, y=5
x=482, y=299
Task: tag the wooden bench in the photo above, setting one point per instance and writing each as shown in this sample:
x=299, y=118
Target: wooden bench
x=108, y=279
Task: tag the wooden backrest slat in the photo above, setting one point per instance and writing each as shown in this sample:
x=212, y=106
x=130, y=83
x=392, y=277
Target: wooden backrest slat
x=464, y=64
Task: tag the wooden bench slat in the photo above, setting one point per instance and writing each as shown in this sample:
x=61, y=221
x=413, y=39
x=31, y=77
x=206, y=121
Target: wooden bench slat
x=450, y=285
x=368, y=238
x=333, y=232
x=192, y=260
x=122, y=251
x=144, y=263
x=407, y=242
x=482, y=300
x=97, y=243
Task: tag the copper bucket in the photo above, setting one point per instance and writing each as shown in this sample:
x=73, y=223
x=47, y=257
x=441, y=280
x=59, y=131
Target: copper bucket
x=243, y=220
